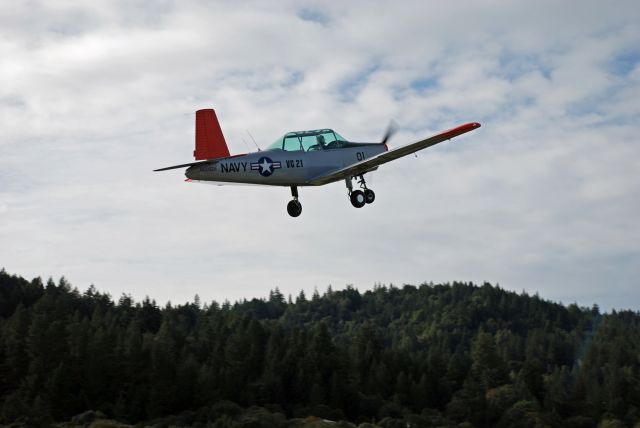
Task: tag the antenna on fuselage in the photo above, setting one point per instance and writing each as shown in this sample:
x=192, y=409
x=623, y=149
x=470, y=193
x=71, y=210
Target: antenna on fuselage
x=254, y=141
x=245, y=143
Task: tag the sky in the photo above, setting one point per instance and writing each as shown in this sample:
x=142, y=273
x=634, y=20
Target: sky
x=544, y=197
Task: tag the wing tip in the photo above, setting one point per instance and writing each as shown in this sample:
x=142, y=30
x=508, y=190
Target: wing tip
x=468, y=126
x=462, y=129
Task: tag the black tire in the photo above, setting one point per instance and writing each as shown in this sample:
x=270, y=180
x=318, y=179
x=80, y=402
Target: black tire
x=294, y=208
x=357, y=198
x=369, y=196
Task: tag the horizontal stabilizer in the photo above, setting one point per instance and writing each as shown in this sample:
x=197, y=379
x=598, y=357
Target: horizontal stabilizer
x=184, y=165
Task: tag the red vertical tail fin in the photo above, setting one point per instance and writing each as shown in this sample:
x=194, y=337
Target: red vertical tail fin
x=210, y=143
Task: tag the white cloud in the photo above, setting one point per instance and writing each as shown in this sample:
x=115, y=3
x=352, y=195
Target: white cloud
x=543, y=197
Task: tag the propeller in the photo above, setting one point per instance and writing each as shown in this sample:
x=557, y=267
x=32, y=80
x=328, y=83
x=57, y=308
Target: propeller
x=391, y=129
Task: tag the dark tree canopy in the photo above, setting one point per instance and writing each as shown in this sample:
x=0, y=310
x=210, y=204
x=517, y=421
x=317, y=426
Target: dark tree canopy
x=433, y=355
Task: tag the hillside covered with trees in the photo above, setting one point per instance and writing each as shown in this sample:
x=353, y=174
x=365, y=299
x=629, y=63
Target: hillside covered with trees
x=434, y=355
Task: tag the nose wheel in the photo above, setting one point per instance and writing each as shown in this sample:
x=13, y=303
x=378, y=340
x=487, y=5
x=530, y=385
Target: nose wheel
x=359, y=198
x=294, y=207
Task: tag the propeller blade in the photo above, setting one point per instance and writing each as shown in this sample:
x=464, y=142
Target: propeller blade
x=391, y=129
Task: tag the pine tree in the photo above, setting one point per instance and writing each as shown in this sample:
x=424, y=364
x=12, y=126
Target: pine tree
x=487, y=365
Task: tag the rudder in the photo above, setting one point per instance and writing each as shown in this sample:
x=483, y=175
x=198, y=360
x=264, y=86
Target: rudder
x=210, y=142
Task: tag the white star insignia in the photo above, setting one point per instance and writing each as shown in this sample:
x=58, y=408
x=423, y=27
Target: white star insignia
x=266, y=166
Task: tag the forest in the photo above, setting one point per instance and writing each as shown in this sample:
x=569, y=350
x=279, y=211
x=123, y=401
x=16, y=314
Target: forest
x=433, y=355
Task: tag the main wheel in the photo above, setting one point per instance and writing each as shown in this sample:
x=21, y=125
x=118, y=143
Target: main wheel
x=369, y=196
x=357, y=198
x=294, y=208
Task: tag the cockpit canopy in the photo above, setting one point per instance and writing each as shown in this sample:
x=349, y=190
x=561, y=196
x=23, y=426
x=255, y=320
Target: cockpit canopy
x=319, y=139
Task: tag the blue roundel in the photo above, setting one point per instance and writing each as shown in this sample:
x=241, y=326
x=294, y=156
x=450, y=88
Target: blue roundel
x=265, y=166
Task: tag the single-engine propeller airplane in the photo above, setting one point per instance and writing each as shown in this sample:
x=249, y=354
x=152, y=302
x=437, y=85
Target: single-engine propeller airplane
x=302, y=158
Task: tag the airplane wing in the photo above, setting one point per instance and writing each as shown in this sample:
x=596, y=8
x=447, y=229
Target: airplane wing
x=372, y=163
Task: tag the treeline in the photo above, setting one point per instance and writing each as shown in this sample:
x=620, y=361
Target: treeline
x=434, y=355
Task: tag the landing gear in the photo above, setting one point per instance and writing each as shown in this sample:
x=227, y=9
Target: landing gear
x=369, y=196
x=359, y=198
x=294, y=207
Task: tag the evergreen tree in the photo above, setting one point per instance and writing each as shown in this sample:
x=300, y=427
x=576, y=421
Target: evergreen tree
x=433, y=355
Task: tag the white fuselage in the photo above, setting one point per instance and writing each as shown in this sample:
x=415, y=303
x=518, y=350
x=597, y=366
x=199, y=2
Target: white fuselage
x=280, y=167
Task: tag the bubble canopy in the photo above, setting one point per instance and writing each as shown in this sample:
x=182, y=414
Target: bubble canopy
x=318, y=139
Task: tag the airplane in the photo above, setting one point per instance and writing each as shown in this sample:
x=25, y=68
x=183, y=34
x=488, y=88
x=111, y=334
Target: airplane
x=301, y=158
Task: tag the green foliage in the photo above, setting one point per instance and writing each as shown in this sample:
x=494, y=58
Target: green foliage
x=435, y=355
x=612, y=423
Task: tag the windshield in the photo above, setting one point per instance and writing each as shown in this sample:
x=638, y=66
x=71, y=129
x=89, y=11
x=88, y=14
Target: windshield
x=319, y=139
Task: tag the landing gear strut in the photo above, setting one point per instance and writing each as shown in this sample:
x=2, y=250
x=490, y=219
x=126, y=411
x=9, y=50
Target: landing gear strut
x=294, y=207
x=358, y=197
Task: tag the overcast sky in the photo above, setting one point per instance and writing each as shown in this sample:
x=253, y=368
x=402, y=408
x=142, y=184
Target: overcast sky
x=544, y=197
